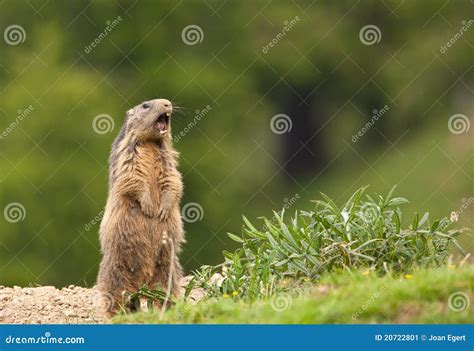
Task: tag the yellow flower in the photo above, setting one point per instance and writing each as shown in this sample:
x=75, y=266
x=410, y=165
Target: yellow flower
x=225, y=295
x=366, y=272
x=408, y=276
x=306, y=279
x=451, y=265
x=235, y=293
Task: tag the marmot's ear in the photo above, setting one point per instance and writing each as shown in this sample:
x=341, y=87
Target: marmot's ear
x=130, y=112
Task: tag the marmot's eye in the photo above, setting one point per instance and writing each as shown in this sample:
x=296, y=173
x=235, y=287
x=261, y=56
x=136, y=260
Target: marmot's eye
x=146, y=106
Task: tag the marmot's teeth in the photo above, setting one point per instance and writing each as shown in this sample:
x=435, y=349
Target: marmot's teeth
x=168, y=114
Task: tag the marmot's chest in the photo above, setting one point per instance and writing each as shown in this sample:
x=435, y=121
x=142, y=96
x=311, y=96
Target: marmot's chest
x=151, y=161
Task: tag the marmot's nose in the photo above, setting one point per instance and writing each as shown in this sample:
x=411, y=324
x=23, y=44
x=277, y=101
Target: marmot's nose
x=164, y=103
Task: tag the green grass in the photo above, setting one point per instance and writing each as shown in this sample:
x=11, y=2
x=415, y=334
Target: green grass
x=339, y=297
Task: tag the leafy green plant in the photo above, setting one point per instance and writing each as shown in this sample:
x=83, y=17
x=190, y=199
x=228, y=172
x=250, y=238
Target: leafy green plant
x=151, y=296
x=363, y=233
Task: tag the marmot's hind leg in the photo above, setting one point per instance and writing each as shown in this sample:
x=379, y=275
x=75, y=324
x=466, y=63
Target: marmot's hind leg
x=112, y=282
x=167, y=263
x=108, y=285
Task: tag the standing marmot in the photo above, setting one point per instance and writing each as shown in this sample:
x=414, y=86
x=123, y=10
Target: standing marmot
x=141, y=231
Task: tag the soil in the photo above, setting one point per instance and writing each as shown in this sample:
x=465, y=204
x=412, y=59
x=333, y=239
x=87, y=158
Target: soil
x=47, y=304
x=50, y=305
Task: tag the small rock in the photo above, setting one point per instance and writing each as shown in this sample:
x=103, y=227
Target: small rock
x=6, y=312
x=70, y=314
x=216, y=279
x=196, y=295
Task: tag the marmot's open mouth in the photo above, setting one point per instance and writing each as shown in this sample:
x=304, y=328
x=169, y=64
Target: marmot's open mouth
x=162, y=122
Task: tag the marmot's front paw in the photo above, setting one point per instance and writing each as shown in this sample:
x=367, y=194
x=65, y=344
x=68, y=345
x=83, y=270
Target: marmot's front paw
x=149, y=211
x=163, y=213
x=147, y=207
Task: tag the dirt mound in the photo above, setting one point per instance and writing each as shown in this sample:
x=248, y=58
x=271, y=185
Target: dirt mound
x=71, y=305
x=47, y=304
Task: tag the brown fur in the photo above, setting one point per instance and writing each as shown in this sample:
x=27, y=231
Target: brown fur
x=142, y=216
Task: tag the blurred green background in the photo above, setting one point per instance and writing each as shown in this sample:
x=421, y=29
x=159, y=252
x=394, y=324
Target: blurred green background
x=322, y=71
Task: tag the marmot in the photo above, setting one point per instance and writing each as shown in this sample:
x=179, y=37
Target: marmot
x=141, y=231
